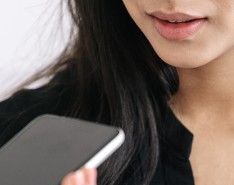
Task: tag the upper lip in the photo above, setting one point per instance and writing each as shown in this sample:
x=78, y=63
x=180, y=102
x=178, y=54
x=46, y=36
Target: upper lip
x=174, y=17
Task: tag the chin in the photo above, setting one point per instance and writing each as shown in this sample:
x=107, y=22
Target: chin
x=185, y=63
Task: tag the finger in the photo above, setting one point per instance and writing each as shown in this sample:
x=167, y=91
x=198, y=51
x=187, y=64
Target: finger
x=90, y=176
x=81, y=177
x=74, y=179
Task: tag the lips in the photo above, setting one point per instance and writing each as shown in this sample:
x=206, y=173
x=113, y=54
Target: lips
x=177, y=26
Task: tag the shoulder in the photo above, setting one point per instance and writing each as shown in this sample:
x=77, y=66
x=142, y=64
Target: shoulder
x=25, y=105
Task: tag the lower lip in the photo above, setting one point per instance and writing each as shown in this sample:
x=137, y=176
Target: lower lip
x=178, y=31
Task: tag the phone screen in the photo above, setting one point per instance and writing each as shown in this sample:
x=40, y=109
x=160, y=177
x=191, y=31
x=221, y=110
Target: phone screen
x=50, y=147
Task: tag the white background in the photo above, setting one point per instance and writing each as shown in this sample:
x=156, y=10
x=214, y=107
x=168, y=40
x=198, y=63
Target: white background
x=32, y=34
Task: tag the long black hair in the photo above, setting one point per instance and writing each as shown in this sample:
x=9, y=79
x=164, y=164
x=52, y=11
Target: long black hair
x=117, y=79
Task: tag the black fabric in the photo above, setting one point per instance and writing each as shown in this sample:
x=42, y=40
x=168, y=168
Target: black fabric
x=175, y=140
x=21, y=108
x=175, y=147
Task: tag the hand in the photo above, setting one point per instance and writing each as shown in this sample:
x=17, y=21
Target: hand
x=81, y=177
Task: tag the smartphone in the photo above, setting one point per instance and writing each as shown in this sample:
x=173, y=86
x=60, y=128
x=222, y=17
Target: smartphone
x=51, y=146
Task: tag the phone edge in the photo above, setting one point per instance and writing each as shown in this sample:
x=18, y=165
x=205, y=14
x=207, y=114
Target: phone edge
x=106, y=151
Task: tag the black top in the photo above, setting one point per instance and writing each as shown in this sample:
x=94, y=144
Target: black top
x=175, y=140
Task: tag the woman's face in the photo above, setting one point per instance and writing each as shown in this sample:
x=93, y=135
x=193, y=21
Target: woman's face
x=186, y=33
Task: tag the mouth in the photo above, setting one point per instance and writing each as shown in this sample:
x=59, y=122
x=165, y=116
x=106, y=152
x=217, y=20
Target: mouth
x=178, y=21
x=175, y=17
x=177, y=26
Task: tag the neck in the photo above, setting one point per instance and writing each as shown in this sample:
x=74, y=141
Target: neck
x=206, y=90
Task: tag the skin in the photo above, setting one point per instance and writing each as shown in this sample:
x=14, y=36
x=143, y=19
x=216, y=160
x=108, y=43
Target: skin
x=81, y=177
x=204, y=102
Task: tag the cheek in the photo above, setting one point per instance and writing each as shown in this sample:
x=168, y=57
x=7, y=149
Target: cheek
x=135, y=10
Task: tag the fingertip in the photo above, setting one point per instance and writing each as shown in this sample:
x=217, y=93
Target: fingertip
x=69, y=179
x=89, y=175
x=81, y=177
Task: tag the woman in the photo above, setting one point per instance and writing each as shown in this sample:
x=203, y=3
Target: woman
x=161, y=70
